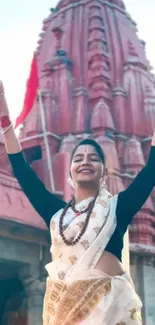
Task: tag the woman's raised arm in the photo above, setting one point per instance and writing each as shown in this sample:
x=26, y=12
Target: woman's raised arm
x=43, y=201
x=133, y=198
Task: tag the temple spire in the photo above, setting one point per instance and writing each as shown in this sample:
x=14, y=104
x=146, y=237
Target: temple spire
x=96, y=81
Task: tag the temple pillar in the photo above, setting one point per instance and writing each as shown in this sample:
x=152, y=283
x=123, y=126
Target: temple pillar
x=143, y=275
x=34, y=287
x=119, y=108
x=149, y=289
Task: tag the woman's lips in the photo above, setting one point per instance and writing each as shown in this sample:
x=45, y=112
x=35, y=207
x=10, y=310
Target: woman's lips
x=86, y=171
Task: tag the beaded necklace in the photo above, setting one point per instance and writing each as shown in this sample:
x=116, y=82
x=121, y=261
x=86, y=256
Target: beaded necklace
x=71, y=204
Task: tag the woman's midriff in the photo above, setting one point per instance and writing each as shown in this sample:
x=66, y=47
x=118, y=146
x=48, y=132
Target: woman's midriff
x=109, y=264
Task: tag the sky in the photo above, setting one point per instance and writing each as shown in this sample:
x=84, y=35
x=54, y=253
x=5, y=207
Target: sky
x=20, y=25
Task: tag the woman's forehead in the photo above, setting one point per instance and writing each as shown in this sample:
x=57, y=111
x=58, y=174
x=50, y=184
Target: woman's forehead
x=85, y=149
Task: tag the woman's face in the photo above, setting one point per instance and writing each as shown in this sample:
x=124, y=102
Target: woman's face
x=86, y=166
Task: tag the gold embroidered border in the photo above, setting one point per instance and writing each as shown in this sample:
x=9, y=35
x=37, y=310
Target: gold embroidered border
x=72, y=305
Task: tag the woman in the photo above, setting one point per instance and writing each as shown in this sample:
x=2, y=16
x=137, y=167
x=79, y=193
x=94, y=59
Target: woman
x=86, y=282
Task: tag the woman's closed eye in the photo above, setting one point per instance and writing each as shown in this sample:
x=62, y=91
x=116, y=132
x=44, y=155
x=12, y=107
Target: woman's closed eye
x=91, y=159
x=95, y=159
x=77, y=160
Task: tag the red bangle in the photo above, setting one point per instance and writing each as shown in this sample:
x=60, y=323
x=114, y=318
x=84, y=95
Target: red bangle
x=5, y=121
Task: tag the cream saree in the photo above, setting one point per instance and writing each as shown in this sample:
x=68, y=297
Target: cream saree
x=76, y=292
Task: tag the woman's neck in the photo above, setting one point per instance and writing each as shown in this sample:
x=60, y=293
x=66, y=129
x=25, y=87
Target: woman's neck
x=84, y=193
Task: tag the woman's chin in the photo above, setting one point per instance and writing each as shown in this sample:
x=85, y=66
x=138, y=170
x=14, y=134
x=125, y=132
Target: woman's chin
x=87, y=181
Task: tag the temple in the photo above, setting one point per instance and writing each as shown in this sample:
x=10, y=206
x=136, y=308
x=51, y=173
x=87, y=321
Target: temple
x=96, y=81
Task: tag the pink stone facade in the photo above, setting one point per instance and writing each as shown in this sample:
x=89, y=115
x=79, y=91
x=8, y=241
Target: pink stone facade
x=95, y=81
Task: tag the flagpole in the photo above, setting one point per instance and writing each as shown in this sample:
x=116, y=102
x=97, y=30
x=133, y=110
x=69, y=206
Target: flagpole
x=43, y=122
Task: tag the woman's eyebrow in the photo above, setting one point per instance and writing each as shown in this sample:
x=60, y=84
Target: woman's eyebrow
x=89, y=154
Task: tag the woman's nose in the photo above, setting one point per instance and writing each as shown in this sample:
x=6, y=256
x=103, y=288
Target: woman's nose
x=85, y=161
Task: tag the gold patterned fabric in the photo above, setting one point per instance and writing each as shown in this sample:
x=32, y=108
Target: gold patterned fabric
x=98, y=300
x=78, y=293
x=74, y=302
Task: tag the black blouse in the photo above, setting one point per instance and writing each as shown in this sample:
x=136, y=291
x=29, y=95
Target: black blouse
x=47, y=204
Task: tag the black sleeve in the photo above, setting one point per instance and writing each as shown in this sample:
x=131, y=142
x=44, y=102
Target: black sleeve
x=133, y=198
x=43, y=201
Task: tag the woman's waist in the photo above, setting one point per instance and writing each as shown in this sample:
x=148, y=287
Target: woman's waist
x=90, y=277
x=58, y=270
x=110, y=265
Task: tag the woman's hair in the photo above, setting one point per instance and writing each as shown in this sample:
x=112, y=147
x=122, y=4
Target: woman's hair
x=92, y=143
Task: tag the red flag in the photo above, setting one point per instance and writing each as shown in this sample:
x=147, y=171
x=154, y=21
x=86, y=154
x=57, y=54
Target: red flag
x=31, y=92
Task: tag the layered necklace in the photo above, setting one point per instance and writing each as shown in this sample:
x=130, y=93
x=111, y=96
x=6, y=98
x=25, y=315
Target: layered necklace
x=71, y=204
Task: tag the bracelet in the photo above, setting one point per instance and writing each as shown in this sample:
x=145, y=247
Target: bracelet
x=7, y=129
x=5, y=121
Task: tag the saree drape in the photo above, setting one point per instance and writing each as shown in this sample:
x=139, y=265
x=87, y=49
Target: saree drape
x=97, y=299
x=76, y=292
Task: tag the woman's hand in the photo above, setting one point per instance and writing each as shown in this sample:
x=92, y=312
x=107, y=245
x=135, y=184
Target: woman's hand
x=11, y=142
x=4, y=111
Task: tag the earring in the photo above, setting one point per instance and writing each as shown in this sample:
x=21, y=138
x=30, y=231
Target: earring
x=102, y=184
x=71, y=183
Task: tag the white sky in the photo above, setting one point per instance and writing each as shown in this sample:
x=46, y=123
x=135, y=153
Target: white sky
x=20, y=25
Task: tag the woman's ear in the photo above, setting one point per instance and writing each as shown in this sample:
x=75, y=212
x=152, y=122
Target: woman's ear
x=105, y=174
x=70, y=181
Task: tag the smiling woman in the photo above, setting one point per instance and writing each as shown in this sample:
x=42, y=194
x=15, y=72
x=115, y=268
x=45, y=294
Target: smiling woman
x=86, y=281
x=87, y=167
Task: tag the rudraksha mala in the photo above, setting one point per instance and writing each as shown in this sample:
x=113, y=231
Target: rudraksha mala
x=72, y=205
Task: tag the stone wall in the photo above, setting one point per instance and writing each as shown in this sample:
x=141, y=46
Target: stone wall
x=143, y=275
x=23, y=255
